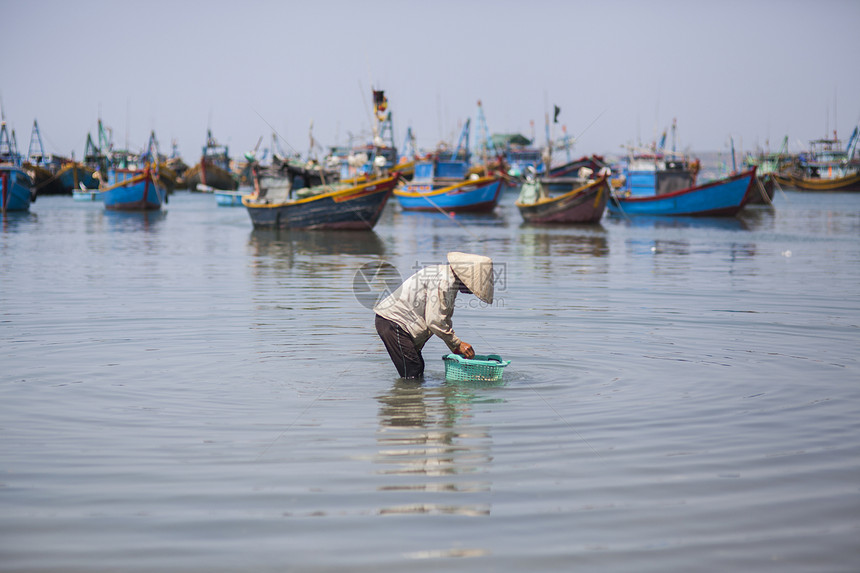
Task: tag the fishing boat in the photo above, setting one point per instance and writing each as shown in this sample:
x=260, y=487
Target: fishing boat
x=571, y=168
x=581, y=204
x=768, y=165
x=178, y=166
x=378, y=154
x=850, y=182
x=826, y=167
x=232, y=198
x=133, y=189
x=16, y=186
x=575, y=173
x=722, y=197
x=97, y=158
x=648, y=173
x=17, y=189
x=518, y=152
x=655, y=170
x=443, y=185
x=213, y=171
x=95, y=162
x=447, y=185
x=297, y=174
x=73, y=175
x=40, y=167
x=554, y=176
x=166, y=175
x=763, y=190
x=331, y=206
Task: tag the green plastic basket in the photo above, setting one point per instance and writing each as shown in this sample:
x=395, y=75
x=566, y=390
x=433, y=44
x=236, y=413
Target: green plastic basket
x=481, y=368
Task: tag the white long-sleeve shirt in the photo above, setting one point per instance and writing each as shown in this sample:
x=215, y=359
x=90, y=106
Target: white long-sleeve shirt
x=423, y=305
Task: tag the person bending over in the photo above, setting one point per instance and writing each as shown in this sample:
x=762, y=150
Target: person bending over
x=423, y=305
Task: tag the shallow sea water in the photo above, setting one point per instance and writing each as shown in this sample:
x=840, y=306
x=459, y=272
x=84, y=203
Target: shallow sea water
x=181, y=393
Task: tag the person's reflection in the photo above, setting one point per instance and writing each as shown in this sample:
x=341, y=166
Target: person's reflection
x=434, y=454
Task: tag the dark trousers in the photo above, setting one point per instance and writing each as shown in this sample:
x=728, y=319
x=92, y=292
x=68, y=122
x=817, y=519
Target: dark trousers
x=400, y=346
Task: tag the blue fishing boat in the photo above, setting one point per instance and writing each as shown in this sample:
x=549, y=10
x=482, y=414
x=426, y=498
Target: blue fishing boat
x=447, y=185
x=16, y=186
x=334, y=206
x=723, y=197
x=232, y=198
x=17, y=192
x=442, y=185
x=133, y=190
x=74, y=175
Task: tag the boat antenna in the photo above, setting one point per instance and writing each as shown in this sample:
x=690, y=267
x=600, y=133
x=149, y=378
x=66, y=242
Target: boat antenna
x=275, y=133
x=366, y=107
x=835, y=122
x=587, y=127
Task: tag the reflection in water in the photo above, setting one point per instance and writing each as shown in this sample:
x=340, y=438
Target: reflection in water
x=436, y=219
x=666, y=222
x=429, y=447
x=434, y=232
x=543, y=242
x=12, y=220
x=677, y=257
x=284, y=244
x=329, y=242
x=758, y=217
x=132, y=221
x=280, y=250
x=579, y=250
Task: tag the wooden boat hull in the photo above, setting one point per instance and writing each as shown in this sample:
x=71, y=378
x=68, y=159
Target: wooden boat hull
x=847, y=183
x=137, y=192
x=721, y=198
x=353, y=208
x=72, y=175
x=762, y=191
x=16, y=189
x=211, y=175
x=44, y=182
x=469, y=196
x=584, y=204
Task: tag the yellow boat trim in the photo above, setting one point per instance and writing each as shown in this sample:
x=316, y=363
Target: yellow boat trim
x=124, y=183
x=825, y=184
x=248, y=200
x=483, y=180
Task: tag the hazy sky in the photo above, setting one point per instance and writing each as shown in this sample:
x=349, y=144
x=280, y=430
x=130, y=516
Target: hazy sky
x=754, y=70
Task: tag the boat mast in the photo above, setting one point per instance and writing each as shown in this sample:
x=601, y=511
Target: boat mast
x=484, y=142
x=463, y=142
x=36, y=150
x=674, y=128
x=547, y=156
x=7, y=153
x=409, y=150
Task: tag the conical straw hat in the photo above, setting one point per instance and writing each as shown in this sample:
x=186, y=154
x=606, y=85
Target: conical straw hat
x=476, y=272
